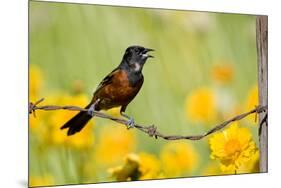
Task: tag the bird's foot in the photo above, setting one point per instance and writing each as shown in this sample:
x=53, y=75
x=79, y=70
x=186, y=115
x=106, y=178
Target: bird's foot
x=131, y=123
x=91, y=110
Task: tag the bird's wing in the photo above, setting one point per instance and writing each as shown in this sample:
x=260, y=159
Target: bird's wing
x=107, y=80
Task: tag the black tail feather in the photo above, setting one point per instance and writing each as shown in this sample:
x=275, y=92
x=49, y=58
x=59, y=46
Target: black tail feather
x=77, y=123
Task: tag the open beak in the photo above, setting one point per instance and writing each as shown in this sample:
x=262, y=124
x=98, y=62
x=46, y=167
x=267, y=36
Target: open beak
x=148, y=55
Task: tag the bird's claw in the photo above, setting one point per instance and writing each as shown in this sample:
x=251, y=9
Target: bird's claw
x=91, y=110
x=131, y=123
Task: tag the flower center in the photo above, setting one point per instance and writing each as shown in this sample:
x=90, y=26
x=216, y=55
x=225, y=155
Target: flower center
x=232, y=146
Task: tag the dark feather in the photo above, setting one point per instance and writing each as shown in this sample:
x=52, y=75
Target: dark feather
x=77, y=123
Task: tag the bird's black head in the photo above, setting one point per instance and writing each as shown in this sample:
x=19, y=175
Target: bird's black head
x=135, y=57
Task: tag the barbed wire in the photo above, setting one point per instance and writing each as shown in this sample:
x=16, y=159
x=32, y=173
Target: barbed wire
x=151, y=130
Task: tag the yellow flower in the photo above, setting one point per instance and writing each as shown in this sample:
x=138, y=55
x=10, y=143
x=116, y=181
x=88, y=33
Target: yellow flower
x=35, y=82
x=252, y=101
x=114, y=112
x=222, y=73
x=178, y=158
x=129, y=171
x=149, y=166
x=233, y=147
x=35, y=86
x=81, y=140
x=41, y=181
x=252, y=166
x=137, y=167
x=38, y=126
x=201, y=105
x=228, y=169
x=114, y=143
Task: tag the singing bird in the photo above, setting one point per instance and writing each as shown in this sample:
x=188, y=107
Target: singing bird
x=118, y=88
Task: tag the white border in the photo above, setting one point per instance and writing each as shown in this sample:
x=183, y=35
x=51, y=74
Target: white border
x=13, y=59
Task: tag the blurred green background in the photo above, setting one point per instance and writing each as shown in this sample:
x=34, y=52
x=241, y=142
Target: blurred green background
x=73, y=46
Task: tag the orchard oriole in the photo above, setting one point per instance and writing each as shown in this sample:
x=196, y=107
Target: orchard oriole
x=118, y=88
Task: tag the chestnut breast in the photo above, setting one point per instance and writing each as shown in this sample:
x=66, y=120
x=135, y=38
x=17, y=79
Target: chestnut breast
x=119, y=90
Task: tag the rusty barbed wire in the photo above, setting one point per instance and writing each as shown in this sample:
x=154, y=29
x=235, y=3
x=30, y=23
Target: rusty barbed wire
x=151, y=130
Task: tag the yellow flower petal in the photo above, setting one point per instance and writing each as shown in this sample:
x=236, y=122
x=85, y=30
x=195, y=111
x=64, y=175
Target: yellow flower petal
x=223, y=72
x=178, y=158
x=251, y=102
x=233, y=147
x=201, y=105
x=114, y=143
x=137, y=167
